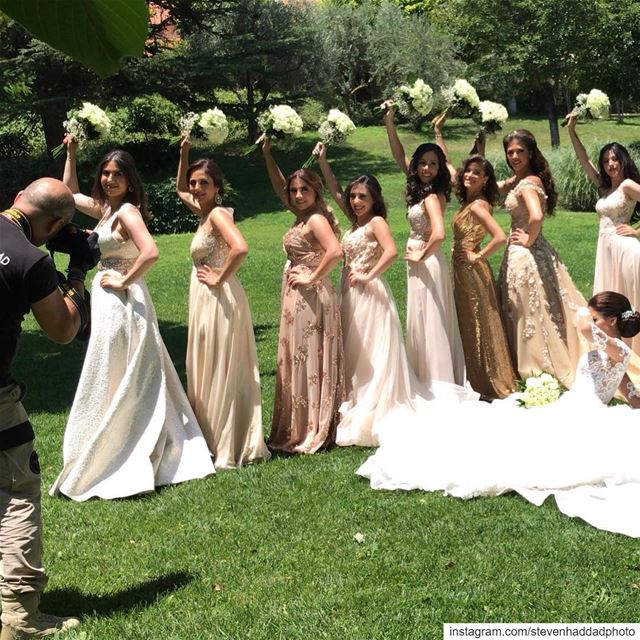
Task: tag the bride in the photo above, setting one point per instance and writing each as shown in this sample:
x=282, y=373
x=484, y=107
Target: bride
x=577, y=448
x=131, y=428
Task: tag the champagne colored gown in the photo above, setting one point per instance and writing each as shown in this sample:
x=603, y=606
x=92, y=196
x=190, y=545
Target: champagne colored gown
x=538, y=299
x=223, y=383
x=486, y=351
x=310, y=368
x=434, y=346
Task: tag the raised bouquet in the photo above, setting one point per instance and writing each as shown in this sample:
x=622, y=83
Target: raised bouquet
x=334, y=129
x=538, y=390
x=211, y=125
x=491, y=116
x=414, y=100
x=90, y=123
x=279, y=121
x=594, y=105
x=462, y=99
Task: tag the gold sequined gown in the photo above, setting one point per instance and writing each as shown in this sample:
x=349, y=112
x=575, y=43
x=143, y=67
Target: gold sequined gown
x=223, y=383
x=538, y=300
x=486, y=351
x=434, y=347
x=377, y=373
x=310, y=374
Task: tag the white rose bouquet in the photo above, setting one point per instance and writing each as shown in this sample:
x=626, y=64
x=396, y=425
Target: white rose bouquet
x=279, y=121
x=462, y=99
x=90, y=123
x=538, y=390
x=594, y=105
x=491, y=116
x=211, y=125
x=334, y=129
x=414, y=100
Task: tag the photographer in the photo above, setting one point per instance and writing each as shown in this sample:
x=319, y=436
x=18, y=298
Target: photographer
x=29, y=281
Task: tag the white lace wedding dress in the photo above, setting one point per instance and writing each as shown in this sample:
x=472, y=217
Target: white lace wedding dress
x=577, y=449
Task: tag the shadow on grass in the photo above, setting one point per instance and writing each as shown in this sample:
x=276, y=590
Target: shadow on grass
x=145, y=594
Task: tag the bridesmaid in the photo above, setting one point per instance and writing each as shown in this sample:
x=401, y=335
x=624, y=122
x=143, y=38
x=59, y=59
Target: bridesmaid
x=377, y=374
x=486, y=351
x=434, y=346
x=223, y=383
x=538, y=298
x=310, y=375
x=618, y=254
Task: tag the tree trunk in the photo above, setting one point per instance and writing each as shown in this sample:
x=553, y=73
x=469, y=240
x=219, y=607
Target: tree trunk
x=252, y=122
x=552, y=112
x=52, y=115
x=620, y=110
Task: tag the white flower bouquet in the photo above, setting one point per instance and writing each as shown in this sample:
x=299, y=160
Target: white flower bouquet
x=90, y=123
x=211, y=125
x=491, y=116
x=462, y=99
x=414, y=100
x=334, y=129
x=538, y=390
x=279, y=121
x=594, y=105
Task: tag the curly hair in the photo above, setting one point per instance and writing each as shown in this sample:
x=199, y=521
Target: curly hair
x=537, y=162
x=490, y=189
x=417, y=190
x=629, y=170
x=375, y=191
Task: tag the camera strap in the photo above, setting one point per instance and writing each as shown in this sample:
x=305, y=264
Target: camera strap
x=19, y=218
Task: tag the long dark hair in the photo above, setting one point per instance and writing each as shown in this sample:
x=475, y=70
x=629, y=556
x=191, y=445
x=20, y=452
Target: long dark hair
x=615, y=305
x=211, y=169
x=375, y=191
x=537, y=162
x=416, y=190
x=313, y=181
x=629, y=170
x=490, y=189
x=135, y=194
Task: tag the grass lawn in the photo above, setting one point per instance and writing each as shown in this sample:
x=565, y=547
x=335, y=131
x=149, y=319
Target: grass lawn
x=268, y=552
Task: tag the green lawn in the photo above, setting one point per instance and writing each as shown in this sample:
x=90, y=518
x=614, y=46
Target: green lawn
x=269, y=551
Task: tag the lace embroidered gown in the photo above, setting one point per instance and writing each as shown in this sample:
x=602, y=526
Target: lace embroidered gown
x=538, y=300
x=617, y=257
x=377, y=374
x=310, y=373
x=130, y=428
x=577, y=449
x=434, y=346
x=223, y=383
x=487, y=358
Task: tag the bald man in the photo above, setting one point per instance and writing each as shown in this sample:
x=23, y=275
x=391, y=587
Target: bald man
x=29, y=281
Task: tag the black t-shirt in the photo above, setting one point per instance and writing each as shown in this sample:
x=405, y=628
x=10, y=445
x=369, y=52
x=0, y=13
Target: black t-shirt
x=26, y=275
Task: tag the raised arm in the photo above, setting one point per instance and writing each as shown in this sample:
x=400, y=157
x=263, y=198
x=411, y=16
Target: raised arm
x=221, y=221
x=335, y=189
x=325, y=237
x=437, y=122
x=182, y=185
x=581, y=152
x=380, y=229
x=278, y=181
x=70, y=177
x=433, y=209
x=397, y=150
x=481, y=211
x=133, y=225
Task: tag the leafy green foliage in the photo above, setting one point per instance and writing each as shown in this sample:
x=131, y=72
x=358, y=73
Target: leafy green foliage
x=169, y=214
x=153, y=116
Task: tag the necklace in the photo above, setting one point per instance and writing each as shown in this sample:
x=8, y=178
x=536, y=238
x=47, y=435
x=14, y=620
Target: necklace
x=20, y=219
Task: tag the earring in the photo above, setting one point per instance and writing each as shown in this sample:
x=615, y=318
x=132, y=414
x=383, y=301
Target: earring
x=130, y=189
x=218, y=199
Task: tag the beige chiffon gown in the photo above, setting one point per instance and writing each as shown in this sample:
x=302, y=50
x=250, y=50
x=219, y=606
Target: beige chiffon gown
x=539, y=300
x=434, y=346
x=223, y=383
x=488, y=362
x=310, y=369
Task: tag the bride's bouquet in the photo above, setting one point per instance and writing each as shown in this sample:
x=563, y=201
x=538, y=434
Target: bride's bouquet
x=491, y=116
x=414, y=100
x=538, y=390
x=90, y=123
x=462, y=99
x=594, y=105
x=334, y=129
x=211, y=125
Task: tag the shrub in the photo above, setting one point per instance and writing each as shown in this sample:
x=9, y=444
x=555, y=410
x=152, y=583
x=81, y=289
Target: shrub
x=153, y=116
x=575, y=190
x=169, y=214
